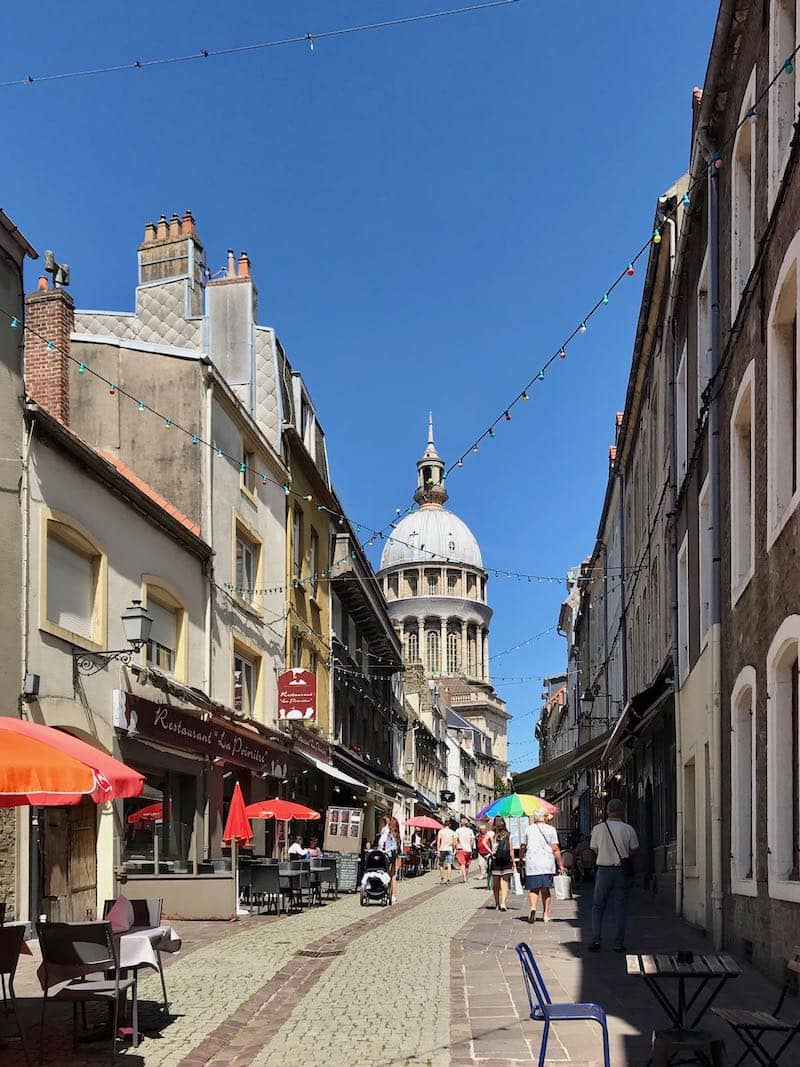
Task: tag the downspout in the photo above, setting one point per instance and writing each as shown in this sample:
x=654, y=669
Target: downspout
x=673, y=577
x=716, y=565
x=208, y=476
x=605, y=636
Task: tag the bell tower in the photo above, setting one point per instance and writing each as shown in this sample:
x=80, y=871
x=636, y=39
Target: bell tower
x=430, y=474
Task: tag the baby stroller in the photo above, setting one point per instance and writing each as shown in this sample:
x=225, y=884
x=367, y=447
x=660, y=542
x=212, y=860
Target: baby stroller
x=375, y=880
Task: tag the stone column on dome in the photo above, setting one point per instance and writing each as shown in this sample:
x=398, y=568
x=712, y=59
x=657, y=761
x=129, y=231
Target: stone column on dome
x=463, y=647
x=422, y=650
x=484, y=664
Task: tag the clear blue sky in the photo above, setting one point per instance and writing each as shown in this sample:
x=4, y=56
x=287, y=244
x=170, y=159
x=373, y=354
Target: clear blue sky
x=429, y=210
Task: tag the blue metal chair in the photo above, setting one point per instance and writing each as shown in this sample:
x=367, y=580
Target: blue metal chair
x=543, y=1010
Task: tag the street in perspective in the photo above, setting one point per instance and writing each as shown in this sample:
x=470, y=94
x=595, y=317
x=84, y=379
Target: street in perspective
x=400, y=662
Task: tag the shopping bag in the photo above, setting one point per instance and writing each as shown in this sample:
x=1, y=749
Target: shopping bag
x=562, y=883
x=517, y=883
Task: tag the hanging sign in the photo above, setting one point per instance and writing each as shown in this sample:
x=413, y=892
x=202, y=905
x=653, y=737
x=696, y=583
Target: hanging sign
x=297, y=695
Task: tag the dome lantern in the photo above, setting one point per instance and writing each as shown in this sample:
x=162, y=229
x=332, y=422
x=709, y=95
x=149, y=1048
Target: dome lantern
x=430, y=474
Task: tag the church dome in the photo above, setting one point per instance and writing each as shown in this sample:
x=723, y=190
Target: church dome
x=431, y=535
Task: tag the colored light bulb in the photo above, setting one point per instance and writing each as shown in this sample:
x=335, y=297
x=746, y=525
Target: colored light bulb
x=562, y=353
x=14, y=322
x=508, y=416
x=540, y=375
x=656, y=236
x=687, y=200
x=474, y=448
x=81, y=368
x=630, y=270
x=50, y=346
x=112, y=389
x=583, y=328
x=168, y=423
x=141, y=405
x=286, y=490
x=788, y=66
x=491, y=433
x=242, y=468
x=309, y=498
x=219, y=453
x=524, y=395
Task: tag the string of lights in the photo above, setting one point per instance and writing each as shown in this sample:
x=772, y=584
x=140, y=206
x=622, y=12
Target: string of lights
x=522, y=644
x=308, y=39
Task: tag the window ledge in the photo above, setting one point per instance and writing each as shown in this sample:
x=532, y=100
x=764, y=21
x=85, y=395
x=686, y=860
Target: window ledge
x=249, y=495
x=783, y=889
x=247, y=606
x=78, y=640
x=737, y=590
x=691, y=871
x=744, y=887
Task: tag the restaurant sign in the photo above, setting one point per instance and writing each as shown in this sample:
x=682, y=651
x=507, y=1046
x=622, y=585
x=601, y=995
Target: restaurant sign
x=138, y=717
x=297, y=695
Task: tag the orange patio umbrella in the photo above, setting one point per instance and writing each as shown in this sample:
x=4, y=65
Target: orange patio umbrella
x=43, y=766
x=284, y=810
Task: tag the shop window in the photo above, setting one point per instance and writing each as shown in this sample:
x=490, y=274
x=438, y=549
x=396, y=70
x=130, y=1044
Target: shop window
x=452, y=652
x=158, y=826
x=783, y=762
x=783, y=92
x=705, y=553
x=297, y=544
x=245, y=681
x=74, y=568
x=742, y=512
x=783, y=438
x=313, y=548
x=167, y=647
x=432, y=641
x=248, y=563
x=743, y=755
x=743, y=198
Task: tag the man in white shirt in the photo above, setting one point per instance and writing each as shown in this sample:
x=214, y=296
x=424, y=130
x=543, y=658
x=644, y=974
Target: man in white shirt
x=465, y=843
x=296, y=850
x=615, y=843
x=445, y=841
x=541, y=854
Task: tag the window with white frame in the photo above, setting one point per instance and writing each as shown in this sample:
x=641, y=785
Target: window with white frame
x=247, y=558
x=683, y=607
x=162, y=645
x=245, y=681
x=783, y=93
x=742, y=510
x=704, y=556
x=703, y=333
x=743, y=187
x=247, y=469
x=412, y=646
x=74, y=568
x=297, y=544
x=680, y=419
x=783, y=438
x=307, y=421
x=783, y=762
x=313, y=550
x=452, y=651
x=432, y=642
x=743, y=756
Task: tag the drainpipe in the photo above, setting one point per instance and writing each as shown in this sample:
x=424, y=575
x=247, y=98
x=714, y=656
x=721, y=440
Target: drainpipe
x=716, y=566
x=605, y=635
x=623, y=601
x=673, y=578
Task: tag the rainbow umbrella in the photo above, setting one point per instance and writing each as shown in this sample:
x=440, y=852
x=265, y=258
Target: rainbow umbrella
x=515, y=806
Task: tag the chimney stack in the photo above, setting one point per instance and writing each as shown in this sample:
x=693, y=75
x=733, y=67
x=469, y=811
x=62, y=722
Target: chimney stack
x=171, y=252
x=244, y=265
x=49, y=321
x=231, y=264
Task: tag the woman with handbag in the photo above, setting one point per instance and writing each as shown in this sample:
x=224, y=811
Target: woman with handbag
x=389, y=843
x=502, y=862
x=541, y=854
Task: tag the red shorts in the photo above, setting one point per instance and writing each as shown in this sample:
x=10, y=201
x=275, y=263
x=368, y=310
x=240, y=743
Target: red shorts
x=463, y=857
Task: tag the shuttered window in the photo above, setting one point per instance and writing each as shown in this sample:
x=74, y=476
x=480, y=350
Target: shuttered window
x=70, y=587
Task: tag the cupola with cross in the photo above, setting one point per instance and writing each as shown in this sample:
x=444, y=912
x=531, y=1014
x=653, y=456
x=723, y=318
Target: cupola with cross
x=430, y=474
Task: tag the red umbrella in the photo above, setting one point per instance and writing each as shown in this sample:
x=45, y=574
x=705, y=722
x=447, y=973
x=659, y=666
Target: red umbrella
x=424, y=822
x=151, y=813
x=237, y=825
x=284, y=810
x=38, y=765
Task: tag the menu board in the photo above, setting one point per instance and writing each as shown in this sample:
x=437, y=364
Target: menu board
x=343, y=827
x=347, y=873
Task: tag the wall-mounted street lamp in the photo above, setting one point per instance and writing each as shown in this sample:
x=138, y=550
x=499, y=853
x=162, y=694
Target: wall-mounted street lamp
x=136, y=625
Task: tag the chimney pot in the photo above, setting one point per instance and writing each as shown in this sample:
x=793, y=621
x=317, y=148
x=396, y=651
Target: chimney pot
x=149, y=232
x=162, y=232
x=42, y=284
x=174, y=226
x=244, y=265
x=231, y=264
x=188, y=223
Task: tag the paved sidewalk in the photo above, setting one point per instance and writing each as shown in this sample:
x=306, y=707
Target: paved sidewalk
x=491, y=1024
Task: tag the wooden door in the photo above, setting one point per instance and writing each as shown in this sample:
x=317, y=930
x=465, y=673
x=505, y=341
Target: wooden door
x=68, y=844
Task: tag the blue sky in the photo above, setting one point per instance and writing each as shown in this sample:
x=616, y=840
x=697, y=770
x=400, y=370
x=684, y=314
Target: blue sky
x=429, y=210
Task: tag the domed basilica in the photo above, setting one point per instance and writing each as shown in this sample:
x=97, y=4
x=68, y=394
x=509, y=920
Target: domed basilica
x=435, y=584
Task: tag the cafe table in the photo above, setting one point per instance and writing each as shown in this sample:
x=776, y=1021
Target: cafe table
x=685, y=984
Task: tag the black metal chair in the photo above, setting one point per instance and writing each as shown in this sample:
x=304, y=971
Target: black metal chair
x=146, y=914
x=265, y=885
x=71, y=951
x=11, y=938
x=752, y=1027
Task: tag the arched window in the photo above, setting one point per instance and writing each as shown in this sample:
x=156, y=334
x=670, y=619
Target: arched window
x=783, y=762
x=434, y=663
x=743, y=756
x=743, y=197
x=412, y=646
x=742, y=510
x=783, y=92
x=783, y=414
x=452, y=652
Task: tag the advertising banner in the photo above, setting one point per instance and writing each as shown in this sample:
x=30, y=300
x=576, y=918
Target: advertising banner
x=297, y=695
x=343, y=829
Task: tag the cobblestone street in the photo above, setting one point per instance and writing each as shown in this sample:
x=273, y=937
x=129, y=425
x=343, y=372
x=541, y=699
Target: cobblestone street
x=432, y=981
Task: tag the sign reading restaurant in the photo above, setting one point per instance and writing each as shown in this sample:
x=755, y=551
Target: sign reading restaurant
x=297, y=695
x=139, y=717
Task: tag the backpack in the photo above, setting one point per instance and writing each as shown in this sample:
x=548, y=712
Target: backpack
x=502, y=854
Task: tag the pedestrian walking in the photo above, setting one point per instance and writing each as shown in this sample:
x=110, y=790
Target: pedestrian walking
x=465, y=846
x=483, y=844
x=389, y=843
x=541, y=853
x=502, y=862
x=445, y=843
x=614, y=843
